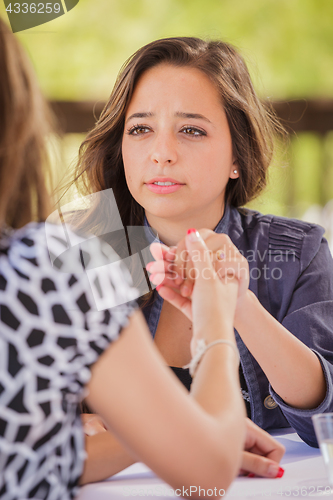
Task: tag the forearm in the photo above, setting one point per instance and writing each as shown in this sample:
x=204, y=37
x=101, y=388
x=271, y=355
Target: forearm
x=219, y=364
x=293, y=370
x=105, y=457
x=183, y=444
x=218, y=369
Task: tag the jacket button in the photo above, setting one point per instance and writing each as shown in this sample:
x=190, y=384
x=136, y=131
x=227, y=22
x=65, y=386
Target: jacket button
x=269, y=403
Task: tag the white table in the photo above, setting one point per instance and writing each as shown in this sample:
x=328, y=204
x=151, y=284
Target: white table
x=304, y=477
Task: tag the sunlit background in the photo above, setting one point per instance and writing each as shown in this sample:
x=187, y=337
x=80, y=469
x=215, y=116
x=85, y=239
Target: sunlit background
x=288, y=45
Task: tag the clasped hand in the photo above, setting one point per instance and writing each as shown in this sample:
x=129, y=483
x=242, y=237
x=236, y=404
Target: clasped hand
x=175, y=270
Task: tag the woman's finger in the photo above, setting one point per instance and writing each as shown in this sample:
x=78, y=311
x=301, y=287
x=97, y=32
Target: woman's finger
x=163, y=278
x=260, y=442
x=183, y=304
x=162, y=252
x=159, y=266
x=234, y=268
x=181, y=261
x=260, y=466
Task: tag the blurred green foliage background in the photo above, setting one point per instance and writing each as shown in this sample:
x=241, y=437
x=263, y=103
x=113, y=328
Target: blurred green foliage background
x=288, y=45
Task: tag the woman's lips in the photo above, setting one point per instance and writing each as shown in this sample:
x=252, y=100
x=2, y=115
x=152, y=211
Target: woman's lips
x=155, y=188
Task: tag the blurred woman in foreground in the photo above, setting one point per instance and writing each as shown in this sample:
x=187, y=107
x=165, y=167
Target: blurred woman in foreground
x=55, y=342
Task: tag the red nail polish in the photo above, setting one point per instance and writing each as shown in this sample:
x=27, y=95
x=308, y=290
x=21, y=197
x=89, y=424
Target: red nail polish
x=251, y=475
x=189, y=231
x=280, y=472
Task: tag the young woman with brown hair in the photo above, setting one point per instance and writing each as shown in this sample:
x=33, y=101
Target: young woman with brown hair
x=184, y=141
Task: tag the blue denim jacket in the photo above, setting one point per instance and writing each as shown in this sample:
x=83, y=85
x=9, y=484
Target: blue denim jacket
x=291, y=273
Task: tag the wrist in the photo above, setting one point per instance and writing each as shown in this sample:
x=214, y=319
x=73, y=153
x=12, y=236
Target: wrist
x=245, y=303
x=202, y=347
x=214, y=333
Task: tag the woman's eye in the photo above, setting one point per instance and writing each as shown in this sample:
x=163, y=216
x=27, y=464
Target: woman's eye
x=193, y=131
x=138, y=130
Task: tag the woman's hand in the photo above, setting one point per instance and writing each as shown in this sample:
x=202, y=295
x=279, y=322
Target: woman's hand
x=262, y=453
x=176, y=270
x=213, y=300
x=228, y=261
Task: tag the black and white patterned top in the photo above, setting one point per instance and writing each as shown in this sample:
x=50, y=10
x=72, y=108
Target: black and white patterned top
x=53, y=327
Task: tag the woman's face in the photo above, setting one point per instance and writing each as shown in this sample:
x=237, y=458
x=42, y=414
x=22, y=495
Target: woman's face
x=176, y=147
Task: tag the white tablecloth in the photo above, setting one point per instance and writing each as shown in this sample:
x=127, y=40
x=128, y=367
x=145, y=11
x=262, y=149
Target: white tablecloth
x=304, y=477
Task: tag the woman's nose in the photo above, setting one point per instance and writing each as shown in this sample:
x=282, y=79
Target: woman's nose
x=164, y=151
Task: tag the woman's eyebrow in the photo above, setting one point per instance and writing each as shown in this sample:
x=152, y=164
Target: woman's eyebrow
x=140, y=115
x=192, y=116
x=179, y=114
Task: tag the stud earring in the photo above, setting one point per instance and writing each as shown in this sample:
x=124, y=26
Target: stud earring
x=235, y=171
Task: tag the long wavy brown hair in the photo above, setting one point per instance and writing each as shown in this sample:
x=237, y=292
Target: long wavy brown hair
x=25, y=120
x=252, y=125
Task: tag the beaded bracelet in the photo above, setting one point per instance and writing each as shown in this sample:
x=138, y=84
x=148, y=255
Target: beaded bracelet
x=201, y=348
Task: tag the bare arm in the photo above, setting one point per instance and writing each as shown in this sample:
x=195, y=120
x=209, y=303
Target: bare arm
x=281, y=355
x=133, y=391
x=106, y=456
